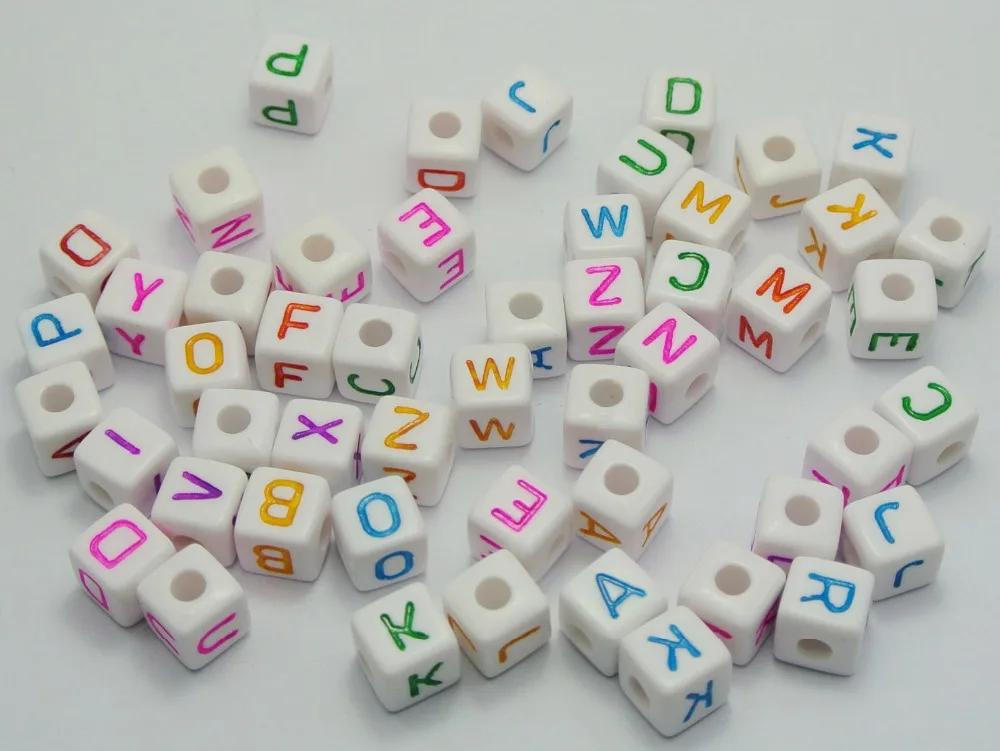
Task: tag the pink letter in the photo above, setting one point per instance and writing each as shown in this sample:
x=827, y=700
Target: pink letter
x=654, y=392
x=666, y=329
x=207, y=650
x=281, y=280
x=527, y=512
x=134, y=342
x=896, y=481
x=459, y=264
x=601, y=347
x=185, y=219
x=160, y=630
x=102, y=600
x=846, y=491
x=432, y=218
x=347, y=294
x=488, y=541
x=141, y=293
x=95, y=543
x=613, y=272
x=228, y=228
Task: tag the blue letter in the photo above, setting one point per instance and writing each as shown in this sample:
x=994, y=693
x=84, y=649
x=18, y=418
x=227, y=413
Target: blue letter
x=899, y=574
x=545, y=140
x=605, y=215
x=61, y=333
x=876, y=136
x=512, y=93
x=539, y=355
x=380, y=573
x=627, y=591
x=696, y=699
x=672, y=646
x=880, y=520
x=366, y=524
x=824, y=596
x=594, y=445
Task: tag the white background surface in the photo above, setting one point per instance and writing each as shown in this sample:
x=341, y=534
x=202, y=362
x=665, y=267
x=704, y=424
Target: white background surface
x=101, y=99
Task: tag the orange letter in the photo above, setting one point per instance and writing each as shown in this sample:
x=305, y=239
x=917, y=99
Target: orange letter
x=76, y=257
x=420, y=419
x=460, y=633
x=484, y=436
x=697, y=195
x=288, y=323
x=776, y=280
x=597, y=530
x=502, y=654
x=457, y=185
x=855, y=211
x=219, y=353
x=274, y=560
x=815, y=248
x=491, y=367
x=291, y=505
x=280, y=376
x=765, y=338
x=653, y=522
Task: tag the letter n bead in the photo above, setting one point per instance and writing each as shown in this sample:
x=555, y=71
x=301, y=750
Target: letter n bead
x=292, y=83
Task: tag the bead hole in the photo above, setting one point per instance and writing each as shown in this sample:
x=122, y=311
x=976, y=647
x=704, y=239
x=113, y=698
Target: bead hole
x=898, y=287
x=697, y=387
x=525, y=306
x=57, y=398
x=732, y=579
x=951, y=454
x=861, y=440
x=500, y=136
x=180, y=542
x=188, y=586
x=814, y=649
x=621, y=479
x=492, y=593
x=375, y=333
x=317, y=248
x=812, y=333
x=606, y=393
x=639, y=695
x=802, y=510
x=227, y=281
x=233, y=419
x=445, y=125
x=391, y=261
x=100, y=495
x=579, y=637
x=946, y=229
x=213, y=180
x=779, y=148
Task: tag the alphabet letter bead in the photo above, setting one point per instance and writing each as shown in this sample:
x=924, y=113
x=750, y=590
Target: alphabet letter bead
x=532, y=313
x=777, y=167
x=702, y=209
x=736, y=594
x=778, y=312
x=605, y=227
x=523, y=515
x=229, y=288
x=797, y=517
x=323, y=258
x=113, y=555
x=679, y=355
x=682, y=108
x=498, y=613
x=62, y=331
x=200, y=357
x=217, y=200
x=876, y=148
x=321, y=438
x=675, y=671
x=491, y=389
x=380, y=533
x=442, y=147
x=527, y=118
x=603, y=402
x=59, y=407
x=123, y=460
x=604, y=298
x=292, y=83
x=405, y=647
x=283, y=525
x=377, y=353
x=695, y=278
x=843, y=227
x=823, y=615
x=294, y=352
x=236, y=426
x=195, y=607
x=892, y=309
x=606, y=602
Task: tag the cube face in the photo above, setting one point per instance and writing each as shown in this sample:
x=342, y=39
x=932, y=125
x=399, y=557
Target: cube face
x=702, y=209
x=236, y=426
x=527, y=118
x=605, y=227
x=406, y=649
x=892, y=309
x=823, y=615
x=322, y=257
x=778, y=312
x=415, y=440
x=291, y=85
x=876, y=148
x=696, y=278
x=532, y=313
x=62, y=331
x=377, y=353
x=681, y=106
x=952, y=240
x=380, y=533
x=81, y=257
x=893, y=536
x=937, y=418
x=621, y=499
x=294, y=351
x=797, y=517
x=521, y=514
x=321, y=438
x=195, y=607
x=736, y=594
x=491, y=389
x=777, y=167
x=604, y=402
x=140, y=303
x=59, y=406
x=604, y=297
x=113, y=555
x=229, y=288
x=604, y=603
x=844, y=226
x=443, y=140
x=498, y=614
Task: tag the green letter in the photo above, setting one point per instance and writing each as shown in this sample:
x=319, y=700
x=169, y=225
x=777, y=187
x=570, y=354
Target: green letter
x=645, y=170
x=398, y=632
x=696, y=97
x=293, y=117
x=702, y=273
x=300, y=59
x=427, y=680
x=938, y=410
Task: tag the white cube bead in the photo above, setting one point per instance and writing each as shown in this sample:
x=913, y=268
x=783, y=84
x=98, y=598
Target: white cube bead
x=777, y=167
x=292, y=83
x=797, y=517
x=140, y=303
x=674, y=671
x=294, y=351
x=532, y=313
x=236, y=426
x=681, y=106
x=62, y=331
x=113, y=555
x=82, y=255
x=604, y=298
x=197, y=503
x=778, y=312
x=217, y=200
x=414, y=439
x=59, y=406
x=621, y=498
x=606, y=602
x=229, y=288
x=380, y=533
x=859, y=453
x=952, y=239
x=679, y=355
x=843, y=227
x=524, y=515
x=405, y=647
x=195, y=607
x=491, y=390
x=703, y=209
x=605, y=227
x=203, y=356
x=876, y=148
x=823, y=615
x=498, y=613
x=377, y=353
x=736, y=594
x=646, y=165
x=527, y=118
x=603, y=402
x=443, y=139
x=123, y=460
x=322, y=257
x=283, y=525
x=891, y=309
x=321, y=438
x=696, y=278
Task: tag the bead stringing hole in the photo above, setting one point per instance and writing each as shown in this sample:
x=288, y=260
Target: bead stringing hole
x=445, y=125
x=525, y=306
x=233, y=419
x=213, y=180
x=227, y=281
x=814, y=649
x=946, y=229
x=492, y=593
x=606, y=393
x=57, y=398
x=861, y=440
x=898, y=287
x=375, y=333
x=621, y=479
x=638, y=692
x=317, y=248
x=732, y=579
x=188, y=586
x=802, y=510
x=951, y=453
x=779, y=148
